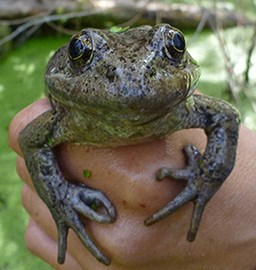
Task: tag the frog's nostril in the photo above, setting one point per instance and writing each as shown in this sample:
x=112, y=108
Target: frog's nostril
x=111, y=74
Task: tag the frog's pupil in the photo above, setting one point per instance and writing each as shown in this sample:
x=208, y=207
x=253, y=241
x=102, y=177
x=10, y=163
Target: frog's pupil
x=175, y=45
x=76, y=48
x=179, y=42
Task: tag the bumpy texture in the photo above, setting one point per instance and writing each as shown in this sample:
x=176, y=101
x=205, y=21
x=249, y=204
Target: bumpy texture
x=111, y=89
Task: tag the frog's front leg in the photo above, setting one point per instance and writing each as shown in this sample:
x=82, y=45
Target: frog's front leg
x=204, y=173
x=64, y=199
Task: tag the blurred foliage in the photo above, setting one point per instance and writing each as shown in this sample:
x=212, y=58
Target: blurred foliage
x=21, y=83
x=207, y=50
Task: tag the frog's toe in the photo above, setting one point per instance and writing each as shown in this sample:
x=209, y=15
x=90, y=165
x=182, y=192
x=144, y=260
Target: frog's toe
x=62, y=241
x=185, y=196
x=193, y=156
x=84, y=198
x=77, y=225
x=75, y=200
x=79, y=228
x=198, y=190
x=190, y=193
x=199, y=205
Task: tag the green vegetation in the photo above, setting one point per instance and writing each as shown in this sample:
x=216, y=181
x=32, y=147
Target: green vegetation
x=21, y=82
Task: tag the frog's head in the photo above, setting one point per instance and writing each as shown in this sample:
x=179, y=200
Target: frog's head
x=141, y=71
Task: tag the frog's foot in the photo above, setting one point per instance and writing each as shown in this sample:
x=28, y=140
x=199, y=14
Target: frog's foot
x=199, y=189
x=75, y=200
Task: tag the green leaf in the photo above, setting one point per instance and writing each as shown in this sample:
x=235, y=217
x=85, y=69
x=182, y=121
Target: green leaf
x=87, y=173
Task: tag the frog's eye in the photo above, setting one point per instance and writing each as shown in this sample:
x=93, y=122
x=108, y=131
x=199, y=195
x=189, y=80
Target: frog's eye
x=80, y=47
x=175, y=44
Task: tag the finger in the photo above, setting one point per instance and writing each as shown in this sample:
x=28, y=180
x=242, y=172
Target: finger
x=47, y=249
x=24, y=117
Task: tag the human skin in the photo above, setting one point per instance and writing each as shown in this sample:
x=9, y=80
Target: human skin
x=227, y=235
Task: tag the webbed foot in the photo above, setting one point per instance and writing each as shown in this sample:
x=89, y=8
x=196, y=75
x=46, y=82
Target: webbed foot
x=72, y=200
x=200, y=187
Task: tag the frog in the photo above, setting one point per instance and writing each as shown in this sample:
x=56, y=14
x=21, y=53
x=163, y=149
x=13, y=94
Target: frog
x=117, y=88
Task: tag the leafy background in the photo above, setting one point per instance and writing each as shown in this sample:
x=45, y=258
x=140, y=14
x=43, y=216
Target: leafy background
x=21, y=82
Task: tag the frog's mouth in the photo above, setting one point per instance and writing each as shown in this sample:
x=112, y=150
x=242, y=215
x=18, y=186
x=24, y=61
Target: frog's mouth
x=109, y=116
x=127, y=112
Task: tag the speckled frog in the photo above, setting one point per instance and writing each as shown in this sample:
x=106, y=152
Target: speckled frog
x=119, y=88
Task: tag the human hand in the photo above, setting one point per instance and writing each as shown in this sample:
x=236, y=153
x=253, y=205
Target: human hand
x=226, y=237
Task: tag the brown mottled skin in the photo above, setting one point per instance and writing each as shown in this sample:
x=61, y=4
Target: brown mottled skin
x=111, y=89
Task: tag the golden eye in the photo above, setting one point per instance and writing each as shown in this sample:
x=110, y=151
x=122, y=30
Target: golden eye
x=175, y=44
x=81, y=47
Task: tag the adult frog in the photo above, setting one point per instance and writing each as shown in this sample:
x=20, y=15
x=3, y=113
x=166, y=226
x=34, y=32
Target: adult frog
x=111, y=89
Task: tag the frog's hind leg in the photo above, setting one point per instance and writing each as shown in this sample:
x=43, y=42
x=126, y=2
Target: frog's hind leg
x=192, y=191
